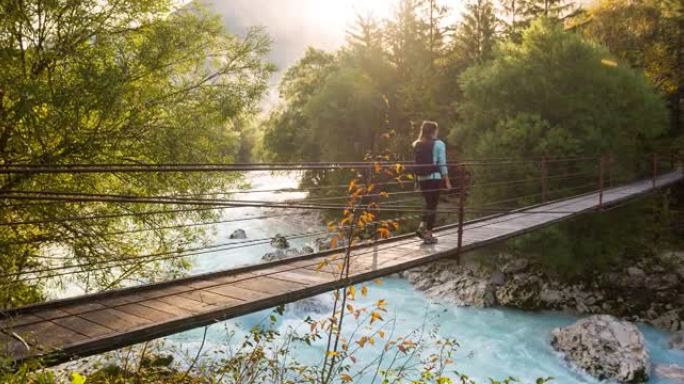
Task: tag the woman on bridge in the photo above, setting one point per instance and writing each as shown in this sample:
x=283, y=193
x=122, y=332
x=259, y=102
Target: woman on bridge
x=431, y=174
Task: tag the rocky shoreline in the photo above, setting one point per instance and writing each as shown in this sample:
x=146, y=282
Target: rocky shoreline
x=648, y=290
x=606, y=344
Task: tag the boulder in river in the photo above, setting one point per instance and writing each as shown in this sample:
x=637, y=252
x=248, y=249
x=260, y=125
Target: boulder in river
x=238, y=234
x=605, y=347
x=674, y=373
x=280, y=242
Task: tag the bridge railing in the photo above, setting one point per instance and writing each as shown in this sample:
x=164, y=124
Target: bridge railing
x=482, y=187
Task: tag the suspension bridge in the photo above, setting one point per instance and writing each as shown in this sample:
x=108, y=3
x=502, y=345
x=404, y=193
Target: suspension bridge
x=79, y=326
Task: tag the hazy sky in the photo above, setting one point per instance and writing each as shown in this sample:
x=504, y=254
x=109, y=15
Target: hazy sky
x=295, y=25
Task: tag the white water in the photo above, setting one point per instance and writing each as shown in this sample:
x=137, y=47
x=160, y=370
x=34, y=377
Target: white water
x=495, y=342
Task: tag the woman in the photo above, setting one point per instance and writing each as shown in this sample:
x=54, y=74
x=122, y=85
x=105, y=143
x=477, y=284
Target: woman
x=431, y=174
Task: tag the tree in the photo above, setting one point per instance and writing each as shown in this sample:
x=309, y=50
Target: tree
x=564, y=90
x=133, y=82
x=476, y=34
x=647, y=34
x=556, y=95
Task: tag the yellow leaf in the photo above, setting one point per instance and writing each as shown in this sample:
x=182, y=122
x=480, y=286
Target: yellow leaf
x=332, y=353
x=377, y=167
x=378, y=281
x=333, y=242
x=321, y=265
x=381, y=304
x=371, y=340
x=346, y=378
x=364, y=291
x=351, y=292
x=384, y=194
x=375, y=316
x=381, y=333
x=350, y=308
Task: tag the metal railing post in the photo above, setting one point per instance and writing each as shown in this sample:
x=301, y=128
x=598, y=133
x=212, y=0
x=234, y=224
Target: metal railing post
x=655, y=169
x=543, y=179
x=461, y=208
x=602, y=165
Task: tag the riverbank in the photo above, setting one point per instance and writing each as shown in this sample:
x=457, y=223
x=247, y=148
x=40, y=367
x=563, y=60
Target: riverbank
x=646, y=289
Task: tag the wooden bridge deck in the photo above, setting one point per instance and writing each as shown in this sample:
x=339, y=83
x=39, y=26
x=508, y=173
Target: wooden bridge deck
x=85, y=325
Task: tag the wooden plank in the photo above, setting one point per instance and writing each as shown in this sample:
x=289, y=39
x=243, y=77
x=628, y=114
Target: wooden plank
x=185, y=303
x=209, y=298
x=75, y=309
x=164, y=307
x=9, y=346
x=47, y=335
x=269, y=285
x=54, y=313
x=238, y=293
x=220, y=280
x=83, y=326
x=302, y=276
x=144, y=312
x=15, y=321
x=115, y=319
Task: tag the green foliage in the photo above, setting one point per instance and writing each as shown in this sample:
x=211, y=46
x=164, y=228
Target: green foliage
x=648, y=35
x=114, y=82
x=558, y=95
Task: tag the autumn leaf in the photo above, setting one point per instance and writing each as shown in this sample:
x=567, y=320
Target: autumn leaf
x=322, y=265
x=364, y=291
x=378, y=281
x=346, y=378
x=381, y=333
x=351, y=292
x=375, y=316
x=377, y=167
x=381, y=304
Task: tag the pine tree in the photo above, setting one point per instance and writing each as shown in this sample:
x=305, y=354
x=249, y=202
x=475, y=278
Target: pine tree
x=476, y=34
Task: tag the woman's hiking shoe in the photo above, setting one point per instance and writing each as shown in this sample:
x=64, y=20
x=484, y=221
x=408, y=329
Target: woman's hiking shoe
x=420, y=232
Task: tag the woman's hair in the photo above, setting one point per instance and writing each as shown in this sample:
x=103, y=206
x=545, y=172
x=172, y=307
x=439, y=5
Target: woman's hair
x=427, y=130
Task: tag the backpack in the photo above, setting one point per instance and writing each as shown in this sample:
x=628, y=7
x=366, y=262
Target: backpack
x=424, y=163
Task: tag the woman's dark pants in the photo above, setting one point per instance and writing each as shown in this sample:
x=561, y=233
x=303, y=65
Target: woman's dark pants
x=430, y=190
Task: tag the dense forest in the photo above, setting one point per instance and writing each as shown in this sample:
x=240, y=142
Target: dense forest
x=511, y=79
x=144, y=81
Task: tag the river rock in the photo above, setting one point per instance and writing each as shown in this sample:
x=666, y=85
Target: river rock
x=317, y=304
x=605, y=347
x=516, y=265
x=465, y=291
x=454, y=283
x=677, y=341
x=674, y=373
x=670, y=320
x=322, y=244
x=278, y=254
x=238, y=234
x=280, y=242
x=522, y=291
x=307, y=250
